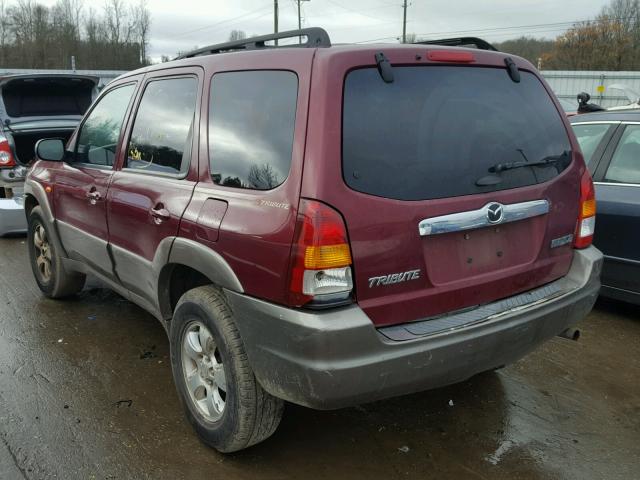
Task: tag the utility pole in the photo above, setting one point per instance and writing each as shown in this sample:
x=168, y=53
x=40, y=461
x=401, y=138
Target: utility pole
x=404, y=22
x=275, y=18
x=299, y=2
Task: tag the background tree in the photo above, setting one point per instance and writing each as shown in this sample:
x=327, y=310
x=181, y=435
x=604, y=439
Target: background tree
x=527, y=47
x=237, y=35
x=35, y=36
x=609, y=42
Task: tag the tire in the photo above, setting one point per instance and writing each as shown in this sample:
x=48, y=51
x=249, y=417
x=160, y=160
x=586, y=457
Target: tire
x=51, y=276
x=210, y=364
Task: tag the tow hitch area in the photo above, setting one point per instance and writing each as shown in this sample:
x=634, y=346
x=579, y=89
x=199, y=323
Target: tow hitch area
x=570, y=334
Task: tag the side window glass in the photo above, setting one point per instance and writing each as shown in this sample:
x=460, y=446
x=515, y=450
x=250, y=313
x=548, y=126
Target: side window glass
x=99, y=134
x=251, y=124
x=163, y=129
x=625, y=163
x=589, y=137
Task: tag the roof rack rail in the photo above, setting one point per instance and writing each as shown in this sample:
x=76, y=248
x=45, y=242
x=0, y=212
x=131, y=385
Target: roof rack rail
x=315, y=37
x=461, y=42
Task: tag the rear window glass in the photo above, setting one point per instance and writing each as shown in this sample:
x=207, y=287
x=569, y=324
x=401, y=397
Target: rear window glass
x=251, y=122
x=589, y=137
x=436, y=131
x=625, y=163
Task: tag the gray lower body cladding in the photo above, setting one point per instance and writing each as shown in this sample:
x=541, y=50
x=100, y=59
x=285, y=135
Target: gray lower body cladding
x=334, y=359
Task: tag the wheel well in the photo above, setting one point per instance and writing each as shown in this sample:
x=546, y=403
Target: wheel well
x=29, y=203
x=181, y=279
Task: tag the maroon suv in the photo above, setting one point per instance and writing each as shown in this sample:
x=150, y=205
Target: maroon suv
x=325, y=225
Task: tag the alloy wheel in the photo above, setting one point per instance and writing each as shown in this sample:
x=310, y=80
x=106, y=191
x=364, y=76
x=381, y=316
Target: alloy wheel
x=203, y=371
x=43, y=252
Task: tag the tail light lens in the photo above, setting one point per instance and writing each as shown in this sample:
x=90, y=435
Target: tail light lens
x=587, y=217
x=6, y=155
x=320, y=273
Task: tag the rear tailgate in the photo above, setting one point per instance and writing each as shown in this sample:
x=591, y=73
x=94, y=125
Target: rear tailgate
x=46, y=95
x=412, y=180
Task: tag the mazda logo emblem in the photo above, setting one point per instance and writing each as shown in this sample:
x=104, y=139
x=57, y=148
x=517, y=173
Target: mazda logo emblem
x=495, y=213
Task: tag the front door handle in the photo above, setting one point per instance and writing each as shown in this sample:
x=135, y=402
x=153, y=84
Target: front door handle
x=93, y=195
x=160, y=214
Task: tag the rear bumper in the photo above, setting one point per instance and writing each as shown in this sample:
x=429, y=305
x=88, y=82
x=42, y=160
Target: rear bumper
x=337, y=358
x=12, y=217
x=9, y=177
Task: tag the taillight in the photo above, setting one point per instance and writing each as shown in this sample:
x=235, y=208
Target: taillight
x=6, y=155
x=321, y=258
x=587, y=217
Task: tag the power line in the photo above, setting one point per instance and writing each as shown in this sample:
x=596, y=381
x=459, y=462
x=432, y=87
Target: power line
x=492, y=29
x=230, y=20
x=354, y=10
x=499, y=30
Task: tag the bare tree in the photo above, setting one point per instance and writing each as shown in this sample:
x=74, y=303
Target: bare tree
x=237, y=35
x=142, y=23
x=263, y=176
x=35, y=36
x=5, y=31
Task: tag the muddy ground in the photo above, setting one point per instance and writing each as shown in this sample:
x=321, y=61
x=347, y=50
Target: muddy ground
x=86, y=393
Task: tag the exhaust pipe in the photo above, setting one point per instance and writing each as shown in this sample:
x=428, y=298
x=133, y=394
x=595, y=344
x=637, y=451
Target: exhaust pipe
x=570, y=334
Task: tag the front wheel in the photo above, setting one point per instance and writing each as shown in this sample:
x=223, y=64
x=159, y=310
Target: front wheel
x=223, y=400
x=51, y=276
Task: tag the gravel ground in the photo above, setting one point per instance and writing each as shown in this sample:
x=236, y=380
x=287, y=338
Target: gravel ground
x=86, y=393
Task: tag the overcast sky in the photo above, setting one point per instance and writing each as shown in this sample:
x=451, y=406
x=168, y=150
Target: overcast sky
x=178, y=25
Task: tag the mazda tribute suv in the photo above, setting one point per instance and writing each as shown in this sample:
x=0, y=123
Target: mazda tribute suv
x=323, y=225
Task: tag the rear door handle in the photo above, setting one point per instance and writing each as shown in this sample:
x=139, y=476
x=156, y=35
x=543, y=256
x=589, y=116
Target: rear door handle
x=160, y=214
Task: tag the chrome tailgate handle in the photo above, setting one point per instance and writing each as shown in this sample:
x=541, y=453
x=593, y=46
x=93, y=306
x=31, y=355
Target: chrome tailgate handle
x=492, y=213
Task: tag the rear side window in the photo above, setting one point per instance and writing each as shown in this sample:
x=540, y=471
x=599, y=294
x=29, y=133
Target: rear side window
x=251, y=124
x=436, y=131
x=162, y=133
x=589, y=137
x=625, y=163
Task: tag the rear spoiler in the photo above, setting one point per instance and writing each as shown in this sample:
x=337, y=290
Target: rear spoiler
x=472, y=42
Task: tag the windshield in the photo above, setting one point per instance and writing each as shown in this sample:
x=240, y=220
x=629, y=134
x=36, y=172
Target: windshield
x=436, y=131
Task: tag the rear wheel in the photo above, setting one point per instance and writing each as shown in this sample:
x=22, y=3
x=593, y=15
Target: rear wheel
x=223, y=400
x=51, y=276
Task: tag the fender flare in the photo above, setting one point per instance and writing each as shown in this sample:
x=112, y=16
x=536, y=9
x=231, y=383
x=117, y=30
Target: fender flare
x=198, y=257
x=36, y=190
x=33, y=188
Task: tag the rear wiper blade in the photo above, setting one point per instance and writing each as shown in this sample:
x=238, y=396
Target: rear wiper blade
x=550, y=160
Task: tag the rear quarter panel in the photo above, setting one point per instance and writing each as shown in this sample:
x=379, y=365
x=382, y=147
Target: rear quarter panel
x=251, y=229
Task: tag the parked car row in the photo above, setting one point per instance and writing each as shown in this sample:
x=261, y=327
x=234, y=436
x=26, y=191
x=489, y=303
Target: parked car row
x=610, y=142
x=32, y=107
x=326, y=225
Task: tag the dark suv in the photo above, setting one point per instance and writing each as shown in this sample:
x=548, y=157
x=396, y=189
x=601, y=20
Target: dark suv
x=326, y=225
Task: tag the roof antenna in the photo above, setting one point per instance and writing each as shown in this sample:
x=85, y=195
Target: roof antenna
x=384, y=68
x=512, y=68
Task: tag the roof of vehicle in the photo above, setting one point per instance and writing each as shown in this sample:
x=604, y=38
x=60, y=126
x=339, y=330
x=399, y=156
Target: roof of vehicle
x=608, y=116
x=319, y=43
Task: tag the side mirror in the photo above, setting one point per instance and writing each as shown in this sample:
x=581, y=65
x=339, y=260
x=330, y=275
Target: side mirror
x=50, y=149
